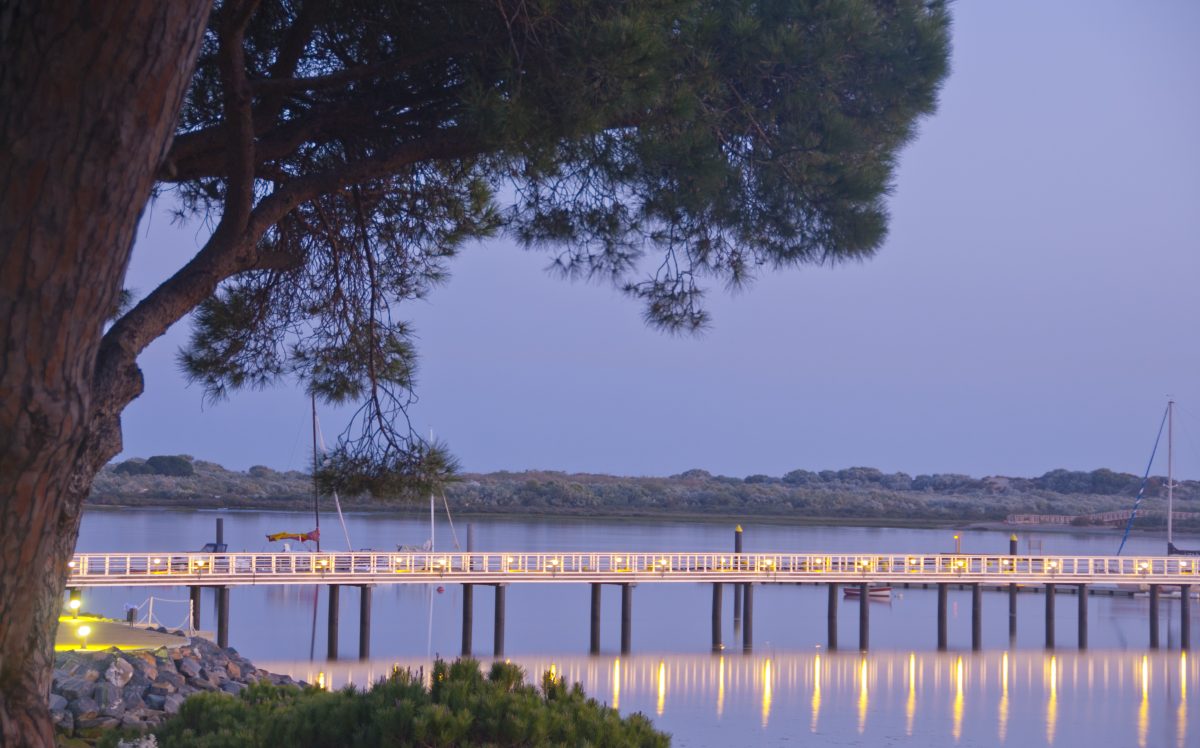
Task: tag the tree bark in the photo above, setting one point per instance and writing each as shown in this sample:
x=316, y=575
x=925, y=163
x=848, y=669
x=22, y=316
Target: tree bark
x=91, y=94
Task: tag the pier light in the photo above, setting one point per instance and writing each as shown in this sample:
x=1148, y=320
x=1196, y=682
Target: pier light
x=960, y=563
x=70, y=564
x=1144, y=567
x=73, y=604
x=82, y=632
x=1052, y=565
x=156, y=561
x=769, y=563
x=818, y=562
x=913, y=561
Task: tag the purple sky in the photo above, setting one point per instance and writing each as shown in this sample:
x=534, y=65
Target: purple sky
x=1033, y=307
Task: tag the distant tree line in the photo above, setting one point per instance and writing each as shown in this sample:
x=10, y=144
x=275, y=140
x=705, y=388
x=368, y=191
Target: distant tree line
x=857, y=492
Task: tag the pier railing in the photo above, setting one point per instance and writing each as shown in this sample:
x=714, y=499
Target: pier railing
x=368, y=567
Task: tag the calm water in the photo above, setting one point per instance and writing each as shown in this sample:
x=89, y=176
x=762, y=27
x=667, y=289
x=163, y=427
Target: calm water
x=788, y=690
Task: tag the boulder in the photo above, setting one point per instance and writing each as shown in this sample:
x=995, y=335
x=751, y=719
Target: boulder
x=233, y=687
x=63, y=721
x=109, y=698
x=119, y=672
x=95, y=728
x=84, y=708
x=234, y=669
x=132, y=696
x=155, y=700
x=172, y=703
x=201, y=684
x=189, y=667
x=175, y=680
x=76, y=688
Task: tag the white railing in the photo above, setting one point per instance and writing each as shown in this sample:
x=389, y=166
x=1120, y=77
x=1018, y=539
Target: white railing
x=369, y=567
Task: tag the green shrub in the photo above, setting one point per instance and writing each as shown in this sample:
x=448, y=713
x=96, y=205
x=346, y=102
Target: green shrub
x=172, y=465
x=462, y=707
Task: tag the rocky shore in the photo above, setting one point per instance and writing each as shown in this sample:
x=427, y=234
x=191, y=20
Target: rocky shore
x=96, y=691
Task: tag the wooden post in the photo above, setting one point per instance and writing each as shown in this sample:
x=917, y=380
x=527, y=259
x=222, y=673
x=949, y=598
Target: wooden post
x=498, y=628
x=364, y=622
x=222, y=617
x=1050, y=590
x=1154, y=595
x=220, y=532
x=717, y=644
x=626, y=618
x=748, y=619
x=864, y=623
x=976, y=617
x=468, y=618
x=942, y=599
x=595, y=638
x=1185, y=617
x=1083, y=616
x=468, y=610
x=194, y=595
x=334, y=605
x=831, y=620
x=737, y=588
x=1012, y=592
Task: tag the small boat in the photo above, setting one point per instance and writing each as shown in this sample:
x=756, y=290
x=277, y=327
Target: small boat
x=874, y=591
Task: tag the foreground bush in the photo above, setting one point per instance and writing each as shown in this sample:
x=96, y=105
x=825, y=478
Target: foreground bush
x=463, y=707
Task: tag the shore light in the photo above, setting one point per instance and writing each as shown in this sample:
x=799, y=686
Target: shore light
x=74, y=606
x=82, y=632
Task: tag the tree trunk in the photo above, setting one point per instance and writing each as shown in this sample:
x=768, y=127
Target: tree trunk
x=91, y=94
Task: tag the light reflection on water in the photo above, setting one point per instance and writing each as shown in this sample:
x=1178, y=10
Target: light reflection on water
x=941, y=699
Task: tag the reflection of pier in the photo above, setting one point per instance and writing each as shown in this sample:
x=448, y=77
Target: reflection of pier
x=852, y=686
x=626, y=570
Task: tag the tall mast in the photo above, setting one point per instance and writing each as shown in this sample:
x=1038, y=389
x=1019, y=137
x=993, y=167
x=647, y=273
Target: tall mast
x=316, y=492
x=1170, y=472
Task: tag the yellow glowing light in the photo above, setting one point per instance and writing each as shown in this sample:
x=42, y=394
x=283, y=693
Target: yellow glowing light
x=1052, y=702
x=913, y=562
x=321, y=680
x=70, y=564
x=616, y=678
x=862, y=696
x=156, y=560
x=74, y=604
x=816, y=699
x=818, y=561
x=910, y=707
x=766, y=701
x=1003, y=721
x=721, y=686
x=82, y=632
x=960, y=563
x=956, y=730
x=1053, y=564
x=1144, y=709
x=662, y=687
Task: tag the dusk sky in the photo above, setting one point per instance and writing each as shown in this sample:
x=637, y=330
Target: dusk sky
x=1033, y=307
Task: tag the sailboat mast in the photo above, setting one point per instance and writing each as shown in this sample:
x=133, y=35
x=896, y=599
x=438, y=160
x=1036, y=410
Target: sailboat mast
x=1170, y=471
x=316, y=492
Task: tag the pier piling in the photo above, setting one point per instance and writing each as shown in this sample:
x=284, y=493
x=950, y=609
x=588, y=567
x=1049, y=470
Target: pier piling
x=194, y=595
x=626, y=618
x=864, y=617
x=717, y=644
x=222, y=616
x=1154, y=596
x=498, y=628
x=594, y=648
x=1050, y=590
x=364, y=622
x=1185, y=617
x=748, y=619
x=976, y=617
x=335, y=594
x=1012, y=594
x=943, y=594
x=468, y=618
x=831, y=622
x=1083, y=616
